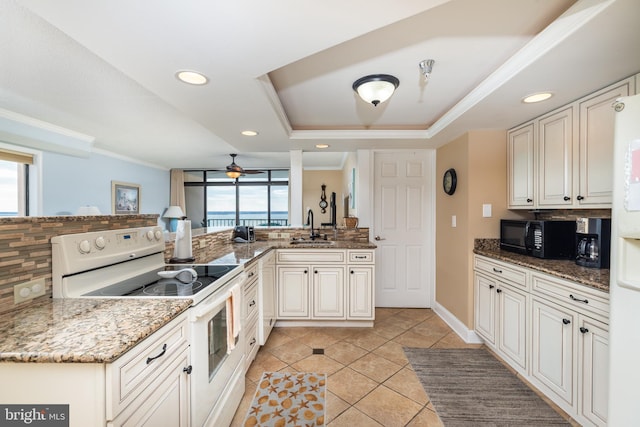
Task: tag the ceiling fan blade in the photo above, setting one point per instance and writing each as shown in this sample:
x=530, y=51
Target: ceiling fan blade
x=253, y=172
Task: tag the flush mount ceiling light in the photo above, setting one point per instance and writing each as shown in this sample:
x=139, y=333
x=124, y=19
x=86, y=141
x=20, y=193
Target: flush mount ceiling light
x=376, y=88
x=192, y=77
x=249, y=132
x=426, y=67
x=537, y=97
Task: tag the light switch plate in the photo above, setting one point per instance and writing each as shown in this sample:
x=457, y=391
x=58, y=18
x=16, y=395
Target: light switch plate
x=454, y=221
x=486, y=210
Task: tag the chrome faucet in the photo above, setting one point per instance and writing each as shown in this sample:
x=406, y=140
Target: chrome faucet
x=312, y=235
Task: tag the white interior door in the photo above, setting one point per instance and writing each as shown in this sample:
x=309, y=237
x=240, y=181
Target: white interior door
x=402, y=218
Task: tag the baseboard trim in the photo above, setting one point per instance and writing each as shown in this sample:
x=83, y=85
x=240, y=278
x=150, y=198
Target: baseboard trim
x=468, y=335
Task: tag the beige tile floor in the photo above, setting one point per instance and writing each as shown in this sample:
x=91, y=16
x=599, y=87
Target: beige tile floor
x=370, y=381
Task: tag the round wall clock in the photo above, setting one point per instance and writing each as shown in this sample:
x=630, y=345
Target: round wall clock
x=449, y=181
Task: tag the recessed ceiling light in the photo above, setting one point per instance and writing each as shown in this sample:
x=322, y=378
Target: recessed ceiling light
x=322, y=145
x=249, y=132
x=192, y=77
x=537, y=97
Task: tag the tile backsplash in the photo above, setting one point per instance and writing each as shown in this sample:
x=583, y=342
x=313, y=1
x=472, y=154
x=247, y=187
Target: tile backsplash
x=25, y=247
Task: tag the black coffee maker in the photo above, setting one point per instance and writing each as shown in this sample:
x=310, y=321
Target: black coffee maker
x=593, y=242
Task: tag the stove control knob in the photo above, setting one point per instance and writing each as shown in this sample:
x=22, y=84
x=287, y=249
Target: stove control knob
x=158, y=235
x=84, y=247
x=150, y=235
x=100, y=242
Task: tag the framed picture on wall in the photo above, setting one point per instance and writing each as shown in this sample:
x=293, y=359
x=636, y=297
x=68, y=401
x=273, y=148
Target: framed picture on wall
x=125, y=198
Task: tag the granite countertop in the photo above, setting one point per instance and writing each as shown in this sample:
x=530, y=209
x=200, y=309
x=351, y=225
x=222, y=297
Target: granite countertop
x=564, y=269
x=83, y=330
x=241, y=253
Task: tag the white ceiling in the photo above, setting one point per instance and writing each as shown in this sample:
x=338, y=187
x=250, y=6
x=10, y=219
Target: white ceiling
x=106, y=69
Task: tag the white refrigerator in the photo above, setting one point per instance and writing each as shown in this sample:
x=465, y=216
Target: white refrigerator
x=624, y=333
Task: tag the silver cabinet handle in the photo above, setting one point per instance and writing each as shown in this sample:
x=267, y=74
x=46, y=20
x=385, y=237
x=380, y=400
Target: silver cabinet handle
x=379, y=238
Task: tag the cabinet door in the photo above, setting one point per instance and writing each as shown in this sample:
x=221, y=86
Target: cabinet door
x=552, y=348
x=520, y=170
x=596, y=146
x=485, y=308
x=555, y=159
x=293, y=292
x=328, y=292
x=167, y=405
x=512, y=325
x=594, y=345
x=360, y=292
x=267, y=298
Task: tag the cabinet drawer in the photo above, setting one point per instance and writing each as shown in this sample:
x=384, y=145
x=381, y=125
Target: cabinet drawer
x=250, y=300
x=251, y=272
x=131, y=374
x=310, y=256
x=580, y=298
x=502, y=271
x=364, y=257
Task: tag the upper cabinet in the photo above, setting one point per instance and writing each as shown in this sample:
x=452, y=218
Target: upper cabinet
x=564, y=159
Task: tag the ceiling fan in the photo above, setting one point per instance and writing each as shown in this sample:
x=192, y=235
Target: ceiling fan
x=234, y=171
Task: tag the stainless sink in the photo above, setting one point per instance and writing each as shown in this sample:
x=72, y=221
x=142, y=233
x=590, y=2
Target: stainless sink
x=312, y=242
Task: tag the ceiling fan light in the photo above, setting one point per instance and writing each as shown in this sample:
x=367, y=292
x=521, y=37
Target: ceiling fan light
x=233, y=174
x=376, y=88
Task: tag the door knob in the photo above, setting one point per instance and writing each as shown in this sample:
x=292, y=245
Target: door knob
x=379, y=238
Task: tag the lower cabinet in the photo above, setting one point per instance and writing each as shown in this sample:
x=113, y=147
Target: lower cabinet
x=325, y=284
x=501, y=319
x=552, y=350
x=568, y=358
x=267, y=296
x=250, y=314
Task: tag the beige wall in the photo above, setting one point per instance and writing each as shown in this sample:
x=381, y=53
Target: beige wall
x=479, y=158
x=311, y=190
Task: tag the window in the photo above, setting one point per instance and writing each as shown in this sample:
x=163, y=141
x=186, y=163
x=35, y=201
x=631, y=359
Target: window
x=14, y=182
x=215, y=200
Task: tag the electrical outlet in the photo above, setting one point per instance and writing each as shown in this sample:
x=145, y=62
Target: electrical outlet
x=28, y=290
x=284, y=235
x=273, y=235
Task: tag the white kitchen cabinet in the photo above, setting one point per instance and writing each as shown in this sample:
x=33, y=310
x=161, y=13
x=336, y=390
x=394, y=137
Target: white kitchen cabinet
x=325, y=285
x=555, y=159
x=564, y=158
x=554, y=332
x=293, y=292
x=501, y=312
x=520, y=155
x=166, y=405
x=595, y=144
x=267, y=296
x=250, y=313
x=360, y=285
x=593, y=370
x=328, y=292
x=553, y=355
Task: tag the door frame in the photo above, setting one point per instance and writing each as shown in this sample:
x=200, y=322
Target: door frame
x=365, y=186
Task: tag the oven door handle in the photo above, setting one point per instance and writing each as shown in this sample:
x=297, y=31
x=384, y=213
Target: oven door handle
x=210, y=305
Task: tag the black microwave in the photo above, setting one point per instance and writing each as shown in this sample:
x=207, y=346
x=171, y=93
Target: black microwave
x=551, y=239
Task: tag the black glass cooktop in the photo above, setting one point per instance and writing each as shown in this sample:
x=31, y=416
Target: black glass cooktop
x=152, y=285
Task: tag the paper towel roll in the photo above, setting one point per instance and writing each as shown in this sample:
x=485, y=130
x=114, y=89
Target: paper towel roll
x=182, y=249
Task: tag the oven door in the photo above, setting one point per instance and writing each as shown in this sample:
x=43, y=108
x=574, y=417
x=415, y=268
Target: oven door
x=215, y=370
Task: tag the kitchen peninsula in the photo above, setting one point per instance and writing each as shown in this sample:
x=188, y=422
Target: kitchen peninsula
x=134, y=355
